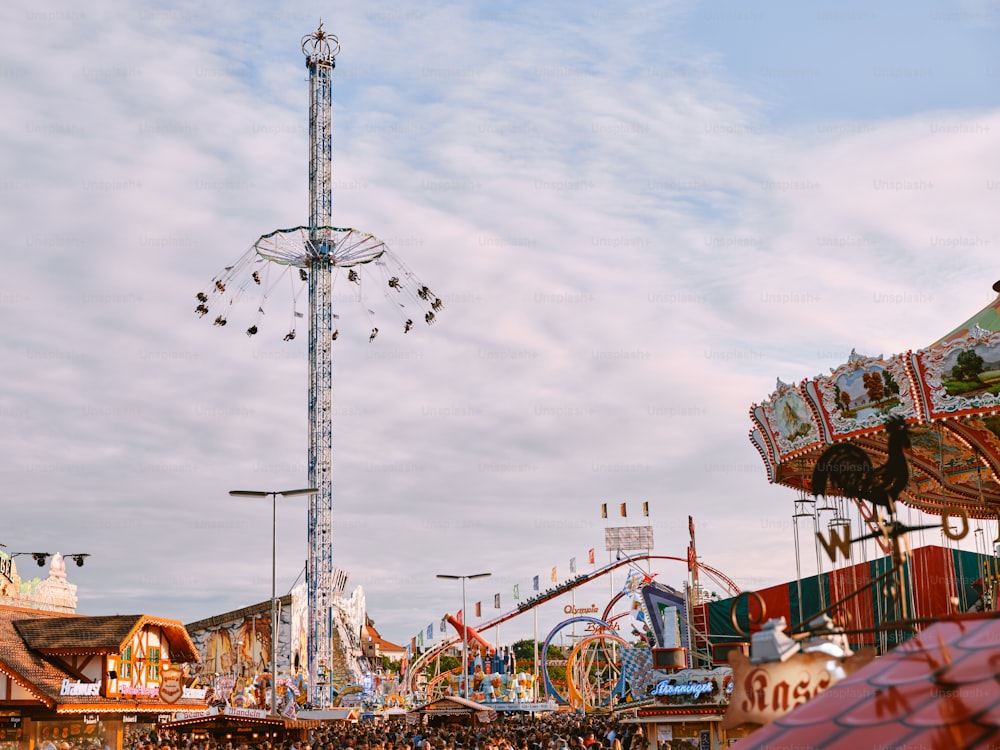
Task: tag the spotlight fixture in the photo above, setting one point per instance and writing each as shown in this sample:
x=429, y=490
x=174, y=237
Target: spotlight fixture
x=77, y=557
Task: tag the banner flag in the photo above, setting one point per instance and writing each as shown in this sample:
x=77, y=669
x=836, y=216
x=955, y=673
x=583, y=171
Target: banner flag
x=517, y=592
x=645, y=509
x=479, y=609
x=590, y=556
x=572, y=565
x=554, y=574
x=604, y=510
x=535, y=583
x=496, y=601
x=430, y=632
x=624, y=511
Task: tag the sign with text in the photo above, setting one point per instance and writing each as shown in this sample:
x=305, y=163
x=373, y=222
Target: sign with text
x=628, y=538
x=763, y=692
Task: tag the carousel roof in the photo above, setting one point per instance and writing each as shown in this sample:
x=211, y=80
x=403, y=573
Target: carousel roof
x=949, y=394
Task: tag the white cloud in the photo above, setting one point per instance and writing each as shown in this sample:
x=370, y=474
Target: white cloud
x=629, y=253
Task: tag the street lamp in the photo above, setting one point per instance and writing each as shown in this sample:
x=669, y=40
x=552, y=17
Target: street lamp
x=465, y=628
x=274, y=601
x=41, y=558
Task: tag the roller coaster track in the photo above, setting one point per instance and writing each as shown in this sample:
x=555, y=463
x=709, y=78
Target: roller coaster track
x=417, y=666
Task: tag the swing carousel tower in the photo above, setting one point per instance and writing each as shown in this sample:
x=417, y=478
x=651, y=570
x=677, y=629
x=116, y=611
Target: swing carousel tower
x=320, y=50
x=316, y=256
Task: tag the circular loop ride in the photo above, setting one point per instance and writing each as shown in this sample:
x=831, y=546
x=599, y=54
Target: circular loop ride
x=949, y=395
x=425, y=662
x=593, y=670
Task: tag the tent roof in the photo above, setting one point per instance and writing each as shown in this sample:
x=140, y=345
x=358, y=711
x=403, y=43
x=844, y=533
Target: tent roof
x=451, y=704
x=940, y=689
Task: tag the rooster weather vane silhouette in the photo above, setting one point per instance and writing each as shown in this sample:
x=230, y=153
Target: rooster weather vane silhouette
x=845, y=469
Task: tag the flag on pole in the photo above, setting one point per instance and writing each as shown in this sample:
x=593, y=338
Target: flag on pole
x=479, y=609
x=624, y=511
x=590, y=556
x=534, y=583
x=420, y=638
x=443, y=627
x=553, y=574
x=604, y=510
x=496, y=601
x=645, y=509
x=572, y=565
x=413, y=645
x=459, y=616
x=517, y=592
x=430, y=632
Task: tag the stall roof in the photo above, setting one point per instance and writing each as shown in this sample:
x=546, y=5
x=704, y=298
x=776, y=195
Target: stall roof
x=451, y=704
x=938, y=690
x=214, y=718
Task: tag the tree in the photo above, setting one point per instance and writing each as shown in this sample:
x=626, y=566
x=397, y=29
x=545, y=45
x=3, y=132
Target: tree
x=968, y=366
x=873, y=385
x=393, y=666
x=891, y=386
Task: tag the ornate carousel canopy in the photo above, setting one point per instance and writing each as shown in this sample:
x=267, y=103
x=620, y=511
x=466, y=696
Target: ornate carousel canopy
x=949, y=394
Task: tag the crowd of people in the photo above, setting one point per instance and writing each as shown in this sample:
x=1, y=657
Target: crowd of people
x=548, y=732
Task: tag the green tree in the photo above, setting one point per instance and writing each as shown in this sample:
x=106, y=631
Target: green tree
x=524, y=652
x=967, y=366
x=891, y=386
x=391, y=666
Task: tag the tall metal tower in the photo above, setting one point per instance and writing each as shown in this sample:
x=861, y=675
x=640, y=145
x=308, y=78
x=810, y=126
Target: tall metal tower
x=317, y=255
x=320, y=50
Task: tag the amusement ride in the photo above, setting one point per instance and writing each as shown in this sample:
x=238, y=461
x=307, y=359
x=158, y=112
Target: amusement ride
x=310, y=260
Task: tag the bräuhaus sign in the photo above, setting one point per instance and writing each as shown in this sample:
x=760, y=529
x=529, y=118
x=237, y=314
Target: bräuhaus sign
x=79, y=688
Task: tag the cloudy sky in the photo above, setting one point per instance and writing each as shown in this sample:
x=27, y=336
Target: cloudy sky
x=638, y=218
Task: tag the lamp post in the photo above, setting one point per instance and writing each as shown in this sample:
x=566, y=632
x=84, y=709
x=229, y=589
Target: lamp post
x=465, y=628
x=274, y=600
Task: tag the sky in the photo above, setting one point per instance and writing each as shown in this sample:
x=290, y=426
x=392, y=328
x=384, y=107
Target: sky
x=638, y=218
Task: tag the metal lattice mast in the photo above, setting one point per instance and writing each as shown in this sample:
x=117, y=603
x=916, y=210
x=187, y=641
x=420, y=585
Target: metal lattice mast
x=320, y=50
x=311, y=255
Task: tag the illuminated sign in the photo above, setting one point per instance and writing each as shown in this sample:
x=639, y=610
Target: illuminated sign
x=692, y=689
x=140, y=690
x=695, y=687
x=79, y=688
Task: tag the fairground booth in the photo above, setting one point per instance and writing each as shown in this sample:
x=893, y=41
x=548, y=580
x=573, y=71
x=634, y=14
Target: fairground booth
x=451, y=710
x=69, y=682
x=249, y=726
